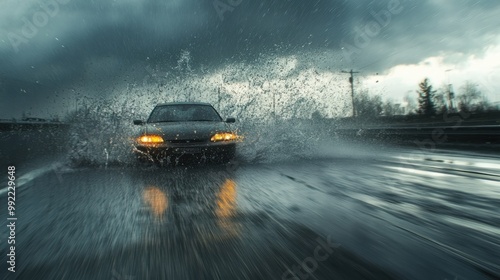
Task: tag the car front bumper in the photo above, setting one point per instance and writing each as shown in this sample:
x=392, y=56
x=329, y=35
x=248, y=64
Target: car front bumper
x=208, y=150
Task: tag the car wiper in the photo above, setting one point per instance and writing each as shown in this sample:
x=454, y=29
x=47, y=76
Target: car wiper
x=185, y=121
x=202, y=120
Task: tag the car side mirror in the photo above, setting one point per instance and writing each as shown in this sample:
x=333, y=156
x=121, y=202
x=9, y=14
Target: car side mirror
x=138, y=122
x=230, y=120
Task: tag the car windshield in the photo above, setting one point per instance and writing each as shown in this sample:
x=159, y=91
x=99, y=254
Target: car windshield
x=184, y=113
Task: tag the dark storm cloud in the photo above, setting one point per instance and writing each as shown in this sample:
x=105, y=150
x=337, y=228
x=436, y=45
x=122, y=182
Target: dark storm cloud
x=107, y=38
x=422, y=29
x=159, y=29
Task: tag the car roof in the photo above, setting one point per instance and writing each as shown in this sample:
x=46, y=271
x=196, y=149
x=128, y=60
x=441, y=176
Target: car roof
x=184, y=103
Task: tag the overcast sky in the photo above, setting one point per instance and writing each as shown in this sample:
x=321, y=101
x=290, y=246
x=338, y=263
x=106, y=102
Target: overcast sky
x=50, y=46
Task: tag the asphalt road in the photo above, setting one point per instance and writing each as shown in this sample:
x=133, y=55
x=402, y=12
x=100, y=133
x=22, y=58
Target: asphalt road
x=403, y=215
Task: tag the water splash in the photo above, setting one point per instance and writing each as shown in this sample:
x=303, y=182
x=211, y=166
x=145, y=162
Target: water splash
x=107, y=157
x=280, y=104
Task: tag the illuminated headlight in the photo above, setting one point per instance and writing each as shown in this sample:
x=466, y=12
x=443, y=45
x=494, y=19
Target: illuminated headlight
x=227, y=136
x=150, y=139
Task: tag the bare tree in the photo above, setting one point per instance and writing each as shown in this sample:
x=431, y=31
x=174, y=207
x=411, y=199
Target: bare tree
x=441, y=99
x=368, y=106
x=391, y=109
x=411, y=104
x=471, y=99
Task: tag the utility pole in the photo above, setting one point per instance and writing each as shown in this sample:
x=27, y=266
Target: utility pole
x=351, y=80
x=451, y=97
x=451, y=94
x=218, y=98
x=274, y=104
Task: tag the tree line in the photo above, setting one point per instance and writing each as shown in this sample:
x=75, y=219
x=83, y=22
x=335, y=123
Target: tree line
x=428, y=102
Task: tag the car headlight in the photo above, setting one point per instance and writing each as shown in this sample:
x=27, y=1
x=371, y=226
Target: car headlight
x=150, y=139
x=226, y=136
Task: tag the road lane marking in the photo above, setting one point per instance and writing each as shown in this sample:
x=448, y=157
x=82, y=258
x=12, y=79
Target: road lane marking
x=32, y=175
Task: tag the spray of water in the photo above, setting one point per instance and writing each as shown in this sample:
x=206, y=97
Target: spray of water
x=280, y=104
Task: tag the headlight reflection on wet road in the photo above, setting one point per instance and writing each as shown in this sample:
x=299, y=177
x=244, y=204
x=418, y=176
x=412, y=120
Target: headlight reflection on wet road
x=258, y=222
x=226, y=209
x=157, y=200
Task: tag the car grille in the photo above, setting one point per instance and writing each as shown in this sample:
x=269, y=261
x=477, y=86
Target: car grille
x=189, y=141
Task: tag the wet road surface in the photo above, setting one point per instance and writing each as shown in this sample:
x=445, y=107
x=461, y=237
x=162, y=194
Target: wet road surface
x=404, y=215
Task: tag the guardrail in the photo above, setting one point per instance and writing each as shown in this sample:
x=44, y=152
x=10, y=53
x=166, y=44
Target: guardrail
x=463, y=134
x=22, y=125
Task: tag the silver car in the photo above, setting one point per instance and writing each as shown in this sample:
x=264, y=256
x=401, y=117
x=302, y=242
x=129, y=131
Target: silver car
x=176, y=129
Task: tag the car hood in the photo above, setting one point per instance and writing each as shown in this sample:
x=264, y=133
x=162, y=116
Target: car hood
x=186, y=130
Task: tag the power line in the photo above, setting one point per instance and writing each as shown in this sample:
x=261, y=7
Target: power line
x=351, y=80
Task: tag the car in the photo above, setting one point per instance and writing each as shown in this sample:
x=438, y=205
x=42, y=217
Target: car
x=185, y=128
